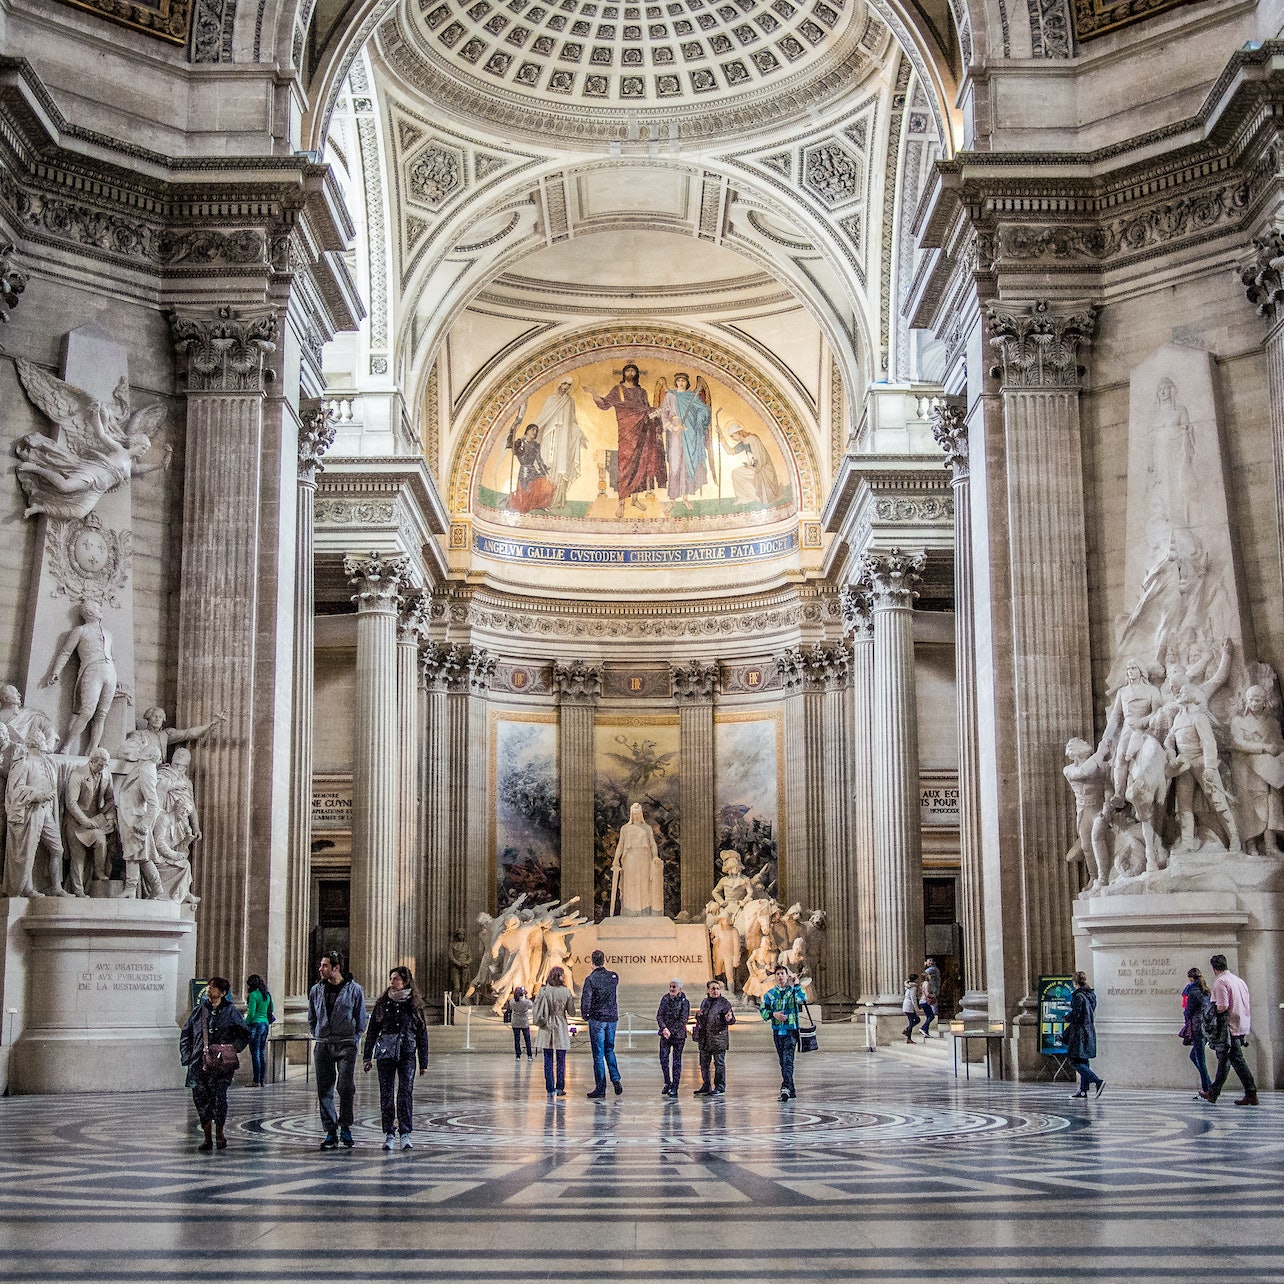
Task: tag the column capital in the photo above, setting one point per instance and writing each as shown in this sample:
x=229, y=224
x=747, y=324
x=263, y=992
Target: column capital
x=694, y=683
x=949, y=430
x=13, y=281
x=577, y=682
x=316, y=435
x=1263, y=274
x=831, y=664
x=442, y=668
x=481, y=668
x=1039, y=348
x=378, y=580
x=226, y=349
x=857, y=611
x=800, y=670
x=414, y=610
x=891, y=578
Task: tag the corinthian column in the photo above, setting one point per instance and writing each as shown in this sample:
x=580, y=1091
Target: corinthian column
x=375, y=774
x=802, y=871
x=889, y=579
x=862, y=899
x=412, y=627
x=693, y=688
x=950, y=430
x=238, y=510
x=316, y=436
x=1051, y=692
x=579, y=688
x=839, y=962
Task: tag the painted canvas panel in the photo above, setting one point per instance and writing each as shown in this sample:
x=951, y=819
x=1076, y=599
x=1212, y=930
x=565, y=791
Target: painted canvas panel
x=632, y=438
x=748, y=796
x=636, y=762
x=527, y=821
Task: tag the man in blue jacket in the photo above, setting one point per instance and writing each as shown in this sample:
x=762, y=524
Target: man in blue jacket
x=336, y=1018
x=599, y=1008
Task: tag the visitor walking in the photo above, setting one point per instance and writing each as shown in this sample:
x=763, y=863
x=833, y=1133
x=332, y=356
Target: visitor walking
x=396, y=1038
x=909, y=1005
x=554, y=1005
x=1081, y=1035
x=212, y=1036
x=336, y=1018
x=600, y=1008
x=519, y=1014
x=1195, y=1001
x=927, y=1004
x=1231, y=1006
x=259, y=1017
x=933, y=974
x=781, y=1005
x=671, y=1020
x=713, y=1038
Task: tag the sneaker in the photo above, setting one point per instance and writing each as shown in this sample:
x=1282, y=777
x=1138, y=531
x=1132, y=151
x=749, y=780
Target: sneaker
x=406, y=1143
x=390, y=1141
x=664, y=1092
x=619, y=1087
x=1073, y=1095
x=719, y=1092
x=561, y=1092
x=703, y=1092
x=784, y=1094
x=345, y=1136
x=1248, y=1099
x=1101, y=1086
x=673, y=1092
x=331, y=1142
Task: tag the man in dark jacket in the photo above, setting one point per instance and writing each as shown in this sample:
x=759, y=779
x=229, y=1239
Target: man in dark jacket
x=671, y=1019
x=336, y=1018
x=713, y=1039
x=599, y=1008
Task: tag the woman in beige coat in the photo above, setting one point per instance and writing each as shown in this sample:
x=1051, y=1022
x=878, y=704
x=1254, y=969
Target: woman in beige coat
x=554, y=1005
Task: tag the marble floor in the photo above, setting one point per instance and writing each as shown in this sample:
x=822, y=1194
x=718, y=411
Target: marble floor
x=885, y=1168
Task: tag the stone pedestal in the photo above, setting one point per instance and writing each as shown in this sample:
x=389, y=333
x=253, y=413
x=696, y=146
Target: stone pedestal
x=648, y=952
x=104, y=980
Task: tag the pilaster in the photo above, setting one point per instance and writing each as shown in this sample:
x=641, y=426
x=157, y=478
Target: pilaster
x=694, y=685
x=579, y=688
x=802, y=871
x=840, y=977
x=412, y=628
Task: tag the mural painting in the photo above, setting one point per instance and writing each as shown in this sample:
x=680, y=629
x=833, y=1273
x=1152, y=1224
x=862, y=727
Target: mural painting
x=636, y=762
x=527, y=819
x=747, y=792
x=634, y=437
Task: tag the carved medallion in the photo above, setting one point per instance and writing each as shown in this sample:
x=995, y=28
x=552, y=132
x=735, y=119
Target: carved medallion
x=88, y=560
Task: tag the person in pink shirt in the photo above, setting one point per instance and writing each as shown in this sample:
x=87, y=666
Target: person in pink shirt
x=1230, y=1032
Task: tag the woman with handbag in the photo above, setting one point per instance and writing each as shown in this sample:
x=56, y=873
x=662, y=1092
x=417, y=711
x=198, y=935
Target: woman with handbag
x=211, y=1039
x=259, y=1017
x=396, y=1036
x=554, y=1008
x=1196, y=999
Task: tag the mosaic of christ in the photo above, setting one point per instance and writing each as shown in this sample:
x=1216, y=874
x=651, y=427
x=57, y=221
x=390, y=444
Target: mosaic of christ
x=636, y=439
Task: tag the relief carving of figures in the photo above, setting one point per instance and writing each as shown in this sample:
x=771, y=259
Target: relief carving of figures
x=99, y=446
x=152, y=730
x=31, y=801
x=1257, y=772
x=89, y=805
x=1193, y=745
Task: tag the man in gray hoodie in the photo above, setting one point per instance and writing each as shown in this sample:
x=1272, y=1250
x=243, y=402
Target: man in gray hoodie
x=336, y=1018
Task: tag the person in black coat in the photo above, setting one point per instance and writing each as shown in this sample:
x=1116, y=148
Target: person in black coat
x=396, y=1036
x=1081, y=1035
x=671, y=1020
x=1196, y=999
x=713, y=1038
x=214, y=1022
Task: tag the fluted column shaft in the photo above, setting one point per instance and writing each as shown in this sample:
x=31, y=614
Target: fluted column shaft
x=410, y=628
x=898, y=848
x=862, y=771
x=376, y=772
x=441, y=898
x=316, y=436
x=840, y=959
x=950, y=430
x=693, y=689
x=480, y=872
x=802, y=871
x=579, y=687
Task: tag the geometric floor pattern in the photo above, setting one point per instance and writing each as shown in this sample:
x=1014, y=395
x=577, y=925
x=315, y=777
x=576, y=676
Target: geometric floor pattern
x=885, y=1168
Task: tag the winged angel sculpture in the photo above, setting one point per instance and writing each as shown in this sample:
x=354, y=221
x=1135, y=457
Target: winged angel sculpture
x=102, y=446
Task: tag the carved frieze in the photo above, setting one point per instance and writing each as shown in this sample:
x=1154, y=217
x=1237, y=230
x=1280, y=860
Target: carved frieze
x=750, y=679
x=316, y=435
x=522, y=679
x=949, y=429
x=891, y=579
x=378, y=580
x=355, y=512
x=226, y=351
x=577, y=682
x=694, y=683
x=166, y=19
x=1038, y=347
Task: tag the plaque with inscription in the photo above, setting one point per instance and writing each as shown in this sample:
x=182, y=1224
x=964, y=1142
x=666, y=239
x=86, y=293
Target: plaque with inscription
x=331, y=804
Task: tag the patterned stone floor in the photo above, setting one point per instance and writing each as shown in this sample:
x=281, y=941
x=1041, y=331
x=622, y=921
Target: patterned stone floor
x=885, y=1168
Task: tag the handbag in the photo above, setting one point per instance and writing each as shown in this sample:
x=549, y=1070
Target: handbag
x=388, y=1046
x=808, y=1041
x=217, y=1058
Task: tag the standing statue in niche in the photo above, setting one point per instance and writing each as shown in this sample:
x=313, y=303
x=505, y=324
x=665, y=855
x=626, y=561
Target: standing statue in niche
x=90, y=807
x=31, y=799
x=90, y=642
x=137, y=806
x=637, y=869
x=103, y=446
x=1257, y=769
x=1192, y=742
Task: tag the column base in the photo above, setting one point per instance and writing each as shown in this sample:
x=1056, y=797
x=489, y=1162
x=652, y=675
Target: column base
x=884, y=1020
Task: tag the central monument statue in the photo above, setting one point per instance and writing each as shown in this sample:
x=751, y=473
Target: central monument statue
x=637, y=871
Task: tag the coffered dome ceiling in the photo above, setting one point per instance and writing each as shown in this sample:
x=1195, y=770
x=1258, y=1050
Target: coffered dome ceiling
x=588, y=70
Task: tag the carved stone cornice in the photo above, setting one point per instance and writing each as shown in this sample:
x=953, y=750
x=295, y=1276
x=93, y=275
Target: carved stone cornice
x=1038, y=348
x=577, y=682
x=13, y=281
x=413, y=615
x=949, y=430
x=1263, y=274
x=891, y=579
x=379, y=581
x=226, y=350
x=857, y=612
x=317, y=432
x=694, y=683
x=443, y=668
